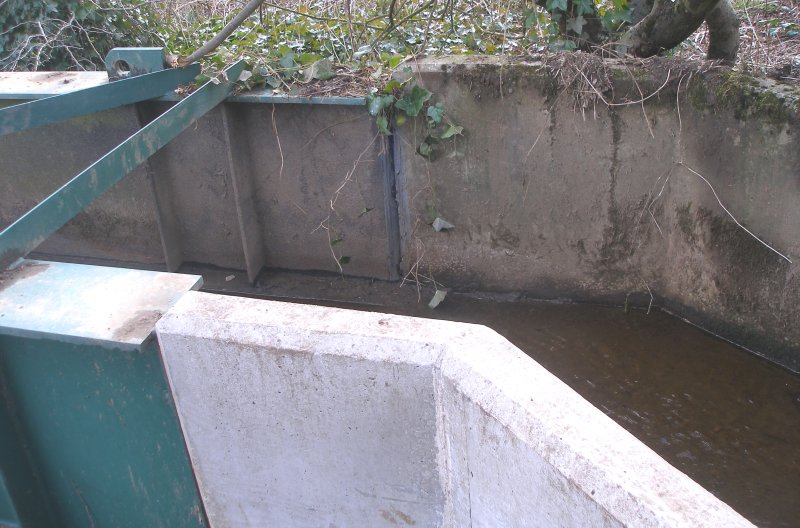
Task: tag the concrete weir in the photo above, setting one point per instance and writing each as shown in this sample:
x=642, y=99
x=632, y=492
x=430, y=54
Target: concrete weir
x=298, y=415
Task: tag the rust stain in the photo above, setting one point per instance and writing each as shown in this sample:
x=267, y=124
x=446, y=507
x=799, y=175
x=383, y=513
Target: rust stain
x=393, y=515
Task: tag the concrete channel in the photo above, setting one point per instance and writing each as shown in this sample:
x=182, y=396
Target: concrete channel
x=297, y=415
x=626, y=203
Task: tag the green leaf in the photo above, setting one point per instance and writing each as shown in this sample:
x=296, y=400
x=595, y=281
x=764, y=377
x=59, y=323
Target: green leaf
x=308, y=58
x=561, y=5
x=576, y=24
x=435, y=114
x=337, y=240
x=344, y=260
x=365, y=211
x=321, y=70
x=425, y=150
x=453, y=130
x=383, y=125
x=411, y=103
x=395, y=61
x=530, y=18
x=562, y=45
x=287, y=61
x=377, y=103
x=391, y=86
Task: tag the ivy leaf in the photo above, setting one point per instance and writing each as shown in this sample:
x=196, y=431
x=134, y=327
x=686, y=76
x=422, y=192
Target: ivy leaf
x=561, y=5
x=377, y=103
x=383, y=125
x=435, y=114
x=412, y=102
x=344, y=260
x=391, y=86
x=425, y=150
x=287, y=61
x=308, y=58
x=453, y=130
x=395, y=61
x=322, y=70
x=576, y=24
x=530, y=18
x=562, y=45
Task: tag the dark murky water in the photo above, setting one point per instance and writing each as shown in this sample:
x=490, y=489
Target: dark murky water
x=728, y=419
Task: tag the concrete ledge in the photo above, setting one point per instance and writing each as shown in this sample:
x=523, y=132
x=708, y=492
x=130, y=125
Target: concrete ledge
x=308, y=416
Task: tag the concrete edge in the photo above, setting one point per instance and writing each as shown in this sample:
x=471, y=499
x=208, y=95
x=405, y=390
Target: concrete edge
x=626, y=478
x=607, y=463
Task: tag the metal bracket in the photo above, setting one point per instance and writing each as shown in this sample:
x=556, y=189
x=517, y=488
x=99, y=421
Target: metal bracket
x=130, y=62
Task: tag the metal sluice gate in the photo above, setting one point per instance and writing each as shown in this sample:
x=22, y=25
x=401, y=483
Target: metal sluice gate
x=135, y=75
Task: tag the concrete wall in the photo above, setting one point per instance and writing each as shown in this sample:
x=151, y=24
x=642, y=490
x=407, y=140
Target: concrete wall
x=606, y=202
x=222, y=193
x=549, y=197
x=308, y=416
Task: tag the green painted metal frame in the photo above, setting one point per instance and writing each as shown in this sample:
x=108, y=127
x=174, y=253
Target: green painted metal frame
x=138, y=61
x=91, y=438
x=125, y=91
x=24, y=235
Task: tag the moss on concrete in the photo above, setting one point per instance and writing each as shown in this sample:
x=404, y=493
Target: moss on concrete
x=748, y=98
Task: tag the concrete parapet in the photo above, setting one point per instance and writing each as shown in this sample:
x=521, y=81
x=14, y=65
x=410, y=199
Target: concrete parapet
x=307, y=416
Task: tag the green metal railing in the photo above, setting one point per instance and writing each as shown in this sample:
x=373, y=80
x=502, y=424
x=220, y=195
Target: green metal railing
x=29, y=231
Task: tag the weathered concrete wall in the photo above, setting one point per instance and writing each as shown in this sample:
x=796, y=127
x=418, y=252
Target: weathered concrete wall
x=549, y=199
x=613, y=201
x=222, y=194
x=306, y=416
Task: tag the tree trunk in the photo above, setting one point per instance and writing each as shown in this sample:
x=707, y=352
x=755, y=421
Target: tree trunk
x=660, y=25
x=670, y=22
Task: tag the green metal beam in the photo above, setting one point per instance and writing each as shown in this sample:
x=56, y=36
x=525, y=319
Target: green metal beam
x=24, y=235
x=80, y=102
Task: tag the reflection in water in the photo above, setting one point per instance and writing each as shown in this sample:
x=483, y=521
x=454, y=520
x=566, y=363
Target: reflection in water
x=725, y=417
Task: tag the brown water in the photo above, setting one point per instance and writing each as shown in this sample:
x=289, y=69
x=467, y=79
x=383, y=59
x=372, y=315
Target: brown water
x=725, y=417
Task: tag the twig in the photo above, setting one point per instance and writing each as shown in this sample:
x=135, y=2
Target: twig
x=220, y=37
x=278, y=139
x=784, y=257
